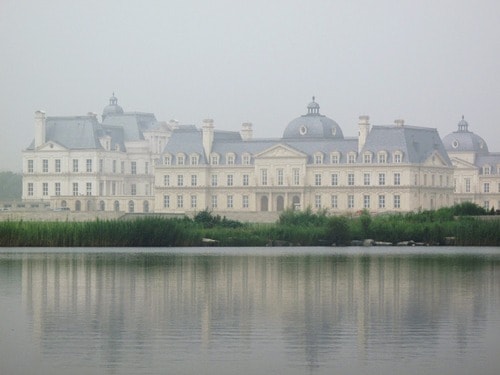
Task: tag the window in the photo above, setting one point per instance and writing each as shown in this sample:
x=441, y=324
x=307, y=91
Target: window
x=381, y=179
x=397, y=201
x=440, y=180
x=318, y=159
x=229, y=201
x=122, y=167
x=367, y=158
x=317, y=179
x=194, y=159
x=89, y=165
x=486, y=169
x=194, y=180
x=350, y=179
x=381, y=201
x=397, y=178
x=230, y=159
x=113, y=188
x=133, y=189
x=166, y=180
x=279, y=176
x=433, y=180
x=366, y=201
x=351, y=158
x=214, y=160
x=75, y=188
x=167, y=160
x=350, y=201
x=334, y=201
x=245, y=180
x=166, y=201
x=146, y=167
x=425, y=180
x=486, y=187
x=180, y=159
x=296, y=176
x=89, y=188
x=194, y=201
x=180, y=180
x=57, y=188
x=30, y=166
x=101, y=166
x=114, y=166
x=45, y=165
x=45, y=189
x=214, y=201
x=467, y=185
x=366, y=179
x=245, y=201
x=317, y=201
x=382, y=158
x=334, y=158
x=75, y=165
x=246, y=159
x=30, y=189
x=263, y=176
x=180, y=201
x=133, y=167
x=486, y=205
x=213, y=180
x=335, y=179
x=397, y=157
x=229, y=180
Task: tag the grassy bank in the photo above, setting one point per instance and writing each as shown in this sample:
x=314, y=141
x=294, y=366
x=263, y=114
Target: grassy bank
x=293, y=228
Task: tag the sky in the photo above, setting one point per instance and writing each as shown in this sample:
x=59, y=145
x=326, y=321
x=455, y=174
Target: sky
x=428, y=62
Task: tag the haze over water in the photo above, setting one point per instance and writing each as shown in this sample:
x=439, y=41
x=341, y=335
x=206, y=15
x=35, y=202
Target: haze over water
x=250, y=311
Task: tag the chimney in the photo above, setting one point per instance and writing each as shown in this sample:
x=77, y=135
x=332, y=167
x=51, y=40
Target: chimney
x=208, y=136
x=364, y=129
x=399, y=122
x=246, y=131
x=40, y=128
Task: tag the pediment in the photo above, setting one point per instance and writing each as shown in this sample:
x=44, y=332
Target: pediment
x=280, y=151
x=51, y=146
x=435, y=159
x=463, y=164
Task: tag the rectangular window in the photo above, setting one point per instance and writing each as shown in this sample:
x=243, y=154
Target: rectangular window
x=180, y=180
x=89, y=188
x=397, y=158
x=381, y=158
x=89, y=165
x=101, y=166
x=317, y=201
x=397, y=178
x=114, y=166
x=180, y=159
x=113, y=188
x=166, y=201
x=180, y=201
x=296, y=176
x=263, y=177
x=57, y=188
x=350, y=201
x=146, y=167
x=75, y=165
x=45, y=165
x=245, y=201
x=334, y=201
x=166, y=180
x=245, y=180
x=167, y=160
x=122, y=167
x=433, y=180
x=194, y=201
x=366, y=201
x=215, y=160
x=246, y=159
x=75, y=188
x=367, y=158
x=467, y=185
x=213, y=181
x=30, y=166
x=486, y=187
x=317, y=179
x=440, y=180
x=366, y=179
x=230, y=159
x=381, y=201
x=133, y=189
x=381, y=179
x=397, y=201
x=194, y=160
x=229, y=180
x=335, y=179
x=279, y=176
x=334, y=159
x=318, y=159
x=194, y=180
x=57, y=166
x=45, y=189
x=351, y=159
x=350, y=179
x=229, y=201
x=133, y=167
x=214, y=201
x=30, y=189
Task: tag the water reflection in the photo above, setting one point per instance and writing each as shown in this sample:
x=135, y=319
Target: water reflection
x=143, y=311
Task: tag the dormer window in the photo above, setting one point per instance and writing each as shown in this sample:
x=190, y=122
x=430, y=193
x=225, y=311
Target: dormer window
x=367, y=157
x=382, y=157
x=194, y=159
x=335, y=158
x=397, y=157
x=214, y=159
x=180, y=159
x=318, y=158
x=246, y=159
x=486, y=170
x=167, y=160
x=351, y=158
x=230, y=159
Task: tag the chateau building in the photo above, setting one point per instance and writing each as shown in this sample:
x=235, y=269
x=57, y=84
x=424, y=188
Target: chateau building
x=82, y=164
x=476, y=169
x=391, y=168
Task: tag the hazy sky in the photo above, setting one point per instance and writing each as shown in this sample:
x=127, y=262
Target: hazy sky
x=427, y=61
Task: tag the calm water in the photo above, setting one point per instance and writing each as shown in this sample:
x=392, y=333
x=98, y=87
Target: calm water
x=250, y=311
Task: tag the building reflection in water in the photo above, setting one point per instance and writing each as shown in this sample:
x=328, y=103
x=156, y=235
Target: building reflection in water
x=103, y=307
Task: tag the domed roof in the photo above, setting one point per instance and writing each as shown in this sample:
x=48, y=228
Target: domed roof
x=313, y=125
x=113, y=108
x=464, y=140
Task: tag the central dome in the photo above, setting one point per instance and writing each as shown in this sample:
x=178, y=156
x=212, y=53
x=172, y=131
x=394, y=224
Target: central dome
x=113, y=108
x=313, y=125
x=465, y=140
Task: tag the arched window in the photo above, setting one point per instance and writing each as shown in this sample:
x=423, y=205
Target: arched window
x=78, y=206
x=117, y=206
x=145, y=206
x=131, y=206
x=102, y=206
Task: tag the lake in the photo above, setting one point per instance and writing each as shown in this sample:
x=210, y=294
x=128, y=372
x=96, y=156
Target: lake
x=297, y=310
